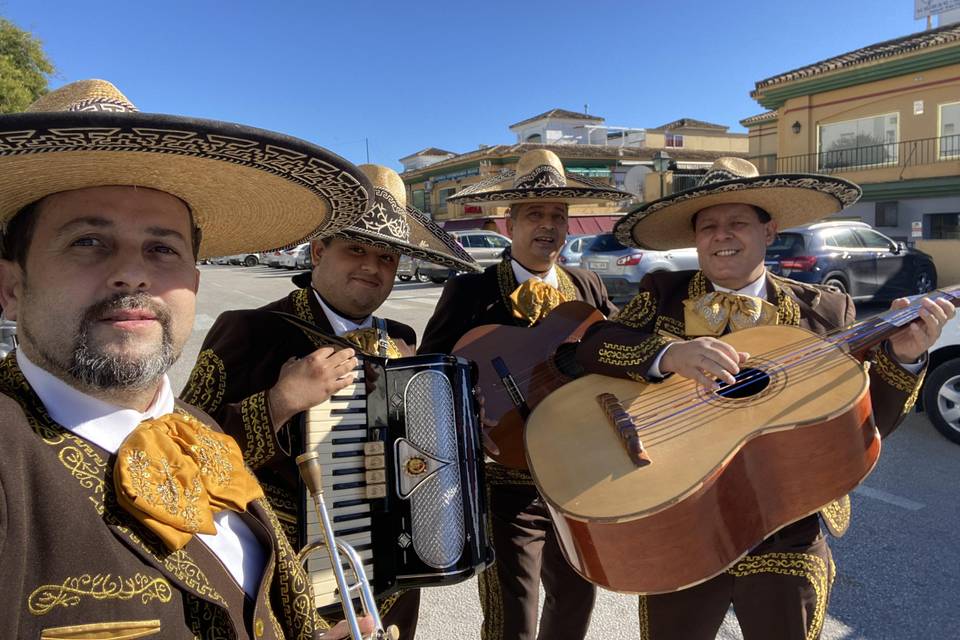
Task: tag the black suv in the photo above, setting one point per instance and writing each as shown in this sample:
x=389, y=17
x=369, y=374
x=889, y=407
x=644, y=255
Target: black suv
x=852, y=257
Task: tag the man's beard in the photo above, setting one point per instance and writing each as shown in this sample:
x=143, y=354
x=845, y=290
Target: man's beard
x=92, y=367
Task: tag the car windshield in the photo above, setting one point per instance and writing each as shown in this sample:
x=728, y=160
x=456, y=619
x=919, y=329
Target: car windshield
x=786, y=245
x=605, y=242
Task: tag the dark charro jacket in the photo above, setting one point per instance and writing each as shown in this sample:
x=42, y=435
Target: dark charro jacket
x=239, y=363
x=628, y=345
x=76, y=565
x=472, y=300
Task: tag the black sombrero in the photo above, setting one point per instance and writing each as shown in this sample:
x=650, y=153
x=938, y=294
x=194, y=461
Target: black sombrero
x=790, y=199
x=539, y=176
x=249, y=189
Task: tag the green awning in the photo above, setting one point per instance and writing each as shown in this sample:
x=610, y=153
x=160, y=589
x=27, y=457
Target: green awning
x=590, y=172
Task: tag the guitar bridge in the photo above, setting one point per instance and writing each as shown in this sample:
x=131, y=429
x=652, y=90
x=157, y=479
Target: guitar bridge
x=623, y=424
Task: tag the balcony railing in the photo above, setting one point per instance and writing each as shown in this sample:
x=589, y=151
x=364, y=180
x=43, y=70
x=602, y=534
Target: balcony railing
x=907, y=153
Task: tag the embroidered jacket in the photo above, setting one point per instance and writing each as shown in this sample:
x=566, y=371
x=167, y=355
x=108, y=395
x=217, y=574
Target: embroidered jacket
x=76, y=564
x=627, y=345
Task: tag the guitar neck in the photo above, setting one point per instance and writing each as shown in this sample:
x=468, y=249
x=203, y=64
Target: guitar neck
x=863, y=336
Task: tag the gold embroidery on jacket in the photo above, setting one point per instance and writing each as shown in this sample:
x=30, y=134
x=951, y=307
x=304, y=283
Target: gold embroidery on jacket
x=301, y=309
x=565, y=284
x=508, y=284
x=803, y=565
x=644, y=613
x=698, y=286
x=898, y=377
x=639, y=311
x=92, y=473
x=624, y=355
x=207, y=383
x=667, y=324
x=836, y=515
x=257, y=427
x=296, y=596
x=208, y=621
x=48, y=597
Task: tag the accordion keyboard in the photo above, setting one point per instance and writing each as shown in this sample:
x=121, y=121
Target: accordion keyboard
x=353, y=475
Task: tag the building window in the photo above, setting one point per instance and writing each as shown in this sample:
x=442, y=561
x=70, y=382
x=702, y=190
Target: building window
x=442, y=196
x=944, y=226
x=674, y=140
x=534, y=137
x=885, y=214
x=950, y=130
x=866, y=142
x=419, y=201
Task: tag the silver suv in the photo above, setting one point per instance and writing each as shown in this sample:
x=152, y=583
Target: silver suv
x=622, y=268
x=485, y=247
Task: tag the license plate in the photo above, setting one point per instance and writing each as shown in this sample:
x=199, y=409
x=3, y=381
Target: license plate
x=602, y=266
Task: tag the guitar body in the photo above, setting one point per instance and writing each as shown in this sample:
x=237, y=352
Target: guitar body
x=724, y=472
x=527, y=353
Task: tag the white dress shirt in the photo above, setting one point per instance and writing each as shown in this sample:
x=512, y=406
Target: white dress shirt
x=108, y=425
x=340, y=324
x=522, y=275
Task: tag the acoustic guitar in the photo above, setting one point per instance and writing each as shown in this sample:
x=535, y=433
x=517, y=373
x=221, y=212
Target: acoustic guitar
x=658, y=487
x=518, y=367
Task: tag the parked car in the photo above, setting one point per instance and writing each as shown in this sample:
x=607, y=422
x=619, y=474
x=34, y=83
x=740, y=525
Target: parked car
x=302, y=257
x=622, y=268
x=289, y=257
x=8, y=336
x=486, y=247
x=409, y=269
x=573, y=249
x=853, y=257
x=940, y=394
x=272, y=258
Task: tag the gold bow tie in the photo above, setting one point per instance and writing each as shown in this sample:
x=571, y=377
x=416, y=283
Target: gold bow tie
x=535, y=299
x=173, y=473
x=368, y=342
x=713, y=313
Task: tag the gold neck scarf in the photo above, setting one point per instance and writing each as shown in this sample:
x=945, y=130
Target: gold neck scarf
x=716, y=312
x=173, y=473
x=535, y=299
x=368, y=342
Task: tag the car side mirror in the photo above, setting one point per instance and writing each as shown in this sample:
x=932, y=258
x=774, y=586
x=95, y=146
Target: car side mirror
x=899, y=247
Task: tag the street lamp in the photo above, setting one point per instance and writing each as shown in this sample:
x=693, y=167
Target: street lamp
x=661, y=163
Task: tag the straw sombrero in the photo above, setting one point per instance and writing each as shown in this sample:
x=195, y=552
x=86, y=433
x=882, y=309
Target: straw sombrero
x=392, y=224
x=248, y=189
x=539, y=176
x=791, y=199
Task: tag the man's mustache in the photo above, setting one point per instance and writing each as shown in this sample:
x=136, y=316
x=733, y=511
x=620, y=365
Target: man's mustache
x=126, y=302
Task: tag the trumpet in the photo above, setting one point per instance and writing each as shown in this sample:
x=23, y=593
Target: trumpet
x=341, y=552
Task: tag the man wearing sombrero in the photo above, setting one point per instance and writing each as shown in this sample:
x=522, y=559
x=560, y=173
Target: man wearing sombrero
x=256, y=371
x=125, y=512
x=521, y=290
x=782, y=587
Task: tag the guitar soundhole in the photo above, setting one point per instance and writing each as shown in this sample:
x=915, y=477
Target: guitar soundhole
x=749, y=383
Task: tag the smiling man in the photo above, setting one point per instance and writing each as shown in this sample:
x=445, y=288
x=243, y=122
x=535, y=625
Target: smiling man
x=521, y=290
x=125, y=512
x=782, y=587
x=256, y=372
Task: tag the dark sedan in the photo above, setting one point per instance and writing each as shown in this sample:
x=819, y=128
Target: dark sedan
x=852, y=257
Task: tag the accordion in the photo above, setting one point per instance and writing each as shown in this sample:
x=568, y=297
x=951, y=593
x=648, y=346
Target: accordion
x=402, y=476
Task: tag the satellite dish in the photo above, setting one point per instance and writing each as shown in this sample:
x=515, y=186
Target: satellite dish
x=633, y=181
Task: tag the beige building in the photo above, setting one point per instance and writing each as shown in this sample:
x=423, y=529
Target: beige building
x=886, y=116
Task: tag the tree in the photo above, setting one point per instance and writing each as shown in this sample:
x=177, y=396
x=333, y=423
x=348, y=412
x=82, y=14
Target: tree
x=24, y=68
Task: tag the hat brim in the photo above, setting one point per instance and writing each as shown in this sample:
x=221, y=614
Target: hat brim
x=428, y=242
x=249, y=189
x=499, y=189
x=790, y=199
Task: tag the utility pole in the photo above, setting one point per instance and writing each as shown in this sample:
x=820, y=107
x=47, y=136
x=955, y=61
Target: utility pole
x=366, y=141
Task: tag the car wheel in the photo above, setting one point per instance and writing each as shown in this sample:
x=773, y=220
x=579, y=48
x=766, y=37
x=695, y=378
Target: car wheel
x=250, y=261
x=923, y=283
x=836, y=282
x=419, y=277
x=941, y=399
x=404, y=278
x=437, y=280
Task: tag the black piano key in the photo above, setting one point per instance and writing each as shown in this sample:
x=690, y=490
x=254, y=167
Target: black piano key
x=348, y=398
x=349, y=485
x=347, y=427
x=346, y=517
x=350, y=532
x=348, y=503
x=348, y=472
x=339, y=441
x=356, y=453
x=348, y=411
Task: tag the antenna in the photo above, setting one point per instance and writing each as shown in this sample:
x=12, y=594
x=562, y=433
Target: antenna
x=586, y=109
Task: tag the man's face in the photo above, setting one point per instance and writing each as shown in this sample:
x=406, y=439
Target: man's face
x=538, y=230
x=107, y=298
x=731, y=243
x=355, y=278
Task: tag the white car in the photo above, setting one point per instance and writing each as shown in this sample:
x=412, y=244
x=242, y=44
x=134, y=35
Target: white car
x=940, y=395
x=288, y=257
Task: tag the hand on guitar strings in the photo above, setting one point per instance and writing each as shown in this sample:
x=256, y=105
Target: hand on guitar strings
x=486, y=425
x=910, y=343
x=704, y=360
x=308, y=381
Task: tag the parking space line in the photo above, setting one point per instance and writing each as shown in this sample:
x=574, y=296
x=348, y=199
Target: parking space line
x=889, y=498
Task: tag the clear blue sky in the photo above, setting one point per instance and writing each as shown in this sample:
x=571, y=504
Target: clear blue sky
x=409, y=75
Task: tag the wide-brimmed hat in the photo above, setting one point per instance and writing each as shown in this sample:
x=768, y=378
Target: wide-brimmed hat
x=249, y=189
x=392, y=224
x=539, y=176
x=791, y=199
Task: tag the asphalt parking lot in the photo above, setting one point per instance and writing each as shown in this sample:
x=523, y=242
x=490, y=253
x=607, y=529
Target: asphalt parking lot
x=898, y=567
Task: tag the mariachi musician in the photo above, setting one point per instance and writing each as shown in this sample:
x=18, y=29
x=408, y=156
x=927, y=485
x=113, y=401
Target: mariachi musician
x=520, y=291
x=782, y=587
x=256, y=372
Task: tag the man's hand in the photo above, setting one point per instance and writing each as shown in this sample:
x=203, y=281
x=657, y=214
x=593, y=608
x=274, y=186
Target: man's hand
x=486, y=425
x=703, y=359
x=911, y=342
x=308, y=381
x=341, y=631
